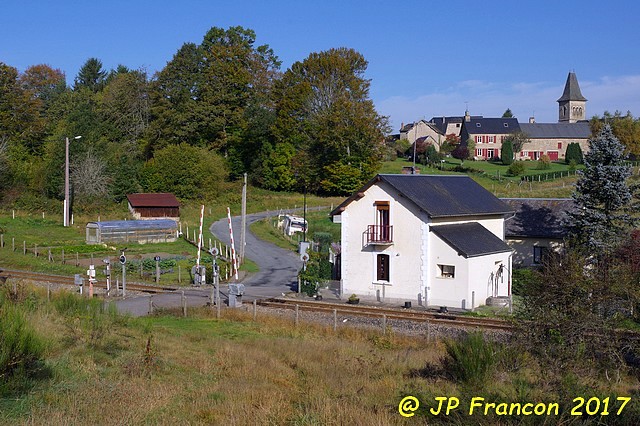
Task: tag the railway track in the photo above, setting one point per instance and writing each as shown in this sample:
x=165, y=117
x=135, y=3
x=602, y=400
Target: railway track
x=390, y=313
x=66, y=280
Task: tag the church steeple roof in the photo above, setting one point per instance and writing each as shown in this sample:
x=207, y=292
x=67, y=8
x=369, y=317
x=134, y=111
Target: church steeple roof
x=571, y=90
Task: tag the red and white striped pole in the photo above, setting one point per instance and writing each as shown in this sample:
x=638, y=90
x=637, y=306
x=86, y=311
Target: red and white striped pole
x=233, y=247
x=200, y=236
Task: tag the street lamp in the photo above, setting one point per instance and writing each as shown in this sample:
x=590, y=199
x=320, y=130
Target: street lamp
x=65, y=219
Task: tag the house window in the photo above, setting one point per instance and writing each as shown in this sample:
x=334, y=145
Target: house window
x=382, y=220
x=478, y=139
x=559, y=145
x=491, y=139
x=539, y=254
x=382, y=267
x=457, y=124
x=446, y=271
x=478, y=152
x=490, y=153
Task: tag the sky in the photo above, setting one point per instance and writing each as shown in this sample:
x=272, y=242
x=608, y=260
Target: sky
x=426, y=58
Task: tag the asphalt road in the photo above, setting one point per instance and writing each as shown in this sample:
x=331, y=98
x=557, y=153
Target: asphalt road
x=278, y=271
x=278, y=267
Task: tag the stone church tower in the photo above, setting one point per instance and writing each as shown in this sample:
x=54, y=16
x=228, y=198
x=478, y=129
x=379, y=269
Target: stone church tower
x=572, y=103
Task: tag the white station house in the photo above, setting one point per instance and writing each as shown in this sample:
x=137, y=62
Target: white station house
x=434, y=240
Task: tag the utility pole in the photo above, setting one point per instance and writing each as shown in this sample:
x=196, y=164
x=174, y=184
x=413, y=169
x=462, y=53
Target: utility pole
x=304, y=214
x=66, y=214
x=243, y=230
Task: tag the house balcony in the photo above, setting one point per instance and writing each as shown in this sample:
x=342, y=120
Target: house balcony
x=381, y=235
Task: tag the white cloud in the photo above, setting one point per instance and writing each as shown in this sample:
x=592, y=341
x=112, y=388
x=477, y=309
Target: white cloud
x=524, y=99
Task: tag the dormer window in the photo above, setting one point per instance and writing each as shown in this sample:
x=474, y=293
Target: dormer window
x=506, y=124
x=478, y=125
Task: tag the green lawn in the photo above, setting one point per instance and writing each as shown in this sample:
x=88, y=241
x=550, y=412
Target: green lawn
x=490, y=168
x=319, y=221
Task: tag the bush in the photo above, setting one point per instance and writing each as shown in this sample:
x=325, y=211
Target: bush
x=523, y=278
x=506, y=153
x=573, y=153
x=516, y=168
x=471, y=359
x=572, y=165
x=21, y=350
x=544, y=163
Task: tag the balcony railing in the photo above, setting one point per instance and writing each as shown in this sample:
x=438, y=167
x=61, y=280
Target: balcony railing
x=378, y=234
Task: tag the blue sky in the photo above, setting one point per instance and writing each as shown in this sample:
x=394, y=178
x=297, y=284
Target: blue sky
x=426, y=58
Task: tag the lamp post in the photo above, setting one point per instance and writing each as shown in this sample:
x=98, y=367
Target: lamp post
x=65, y=219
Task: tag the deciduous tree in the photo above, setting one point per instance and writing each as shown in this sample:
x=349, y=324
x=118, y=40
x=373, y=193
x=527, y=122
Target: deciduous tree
x=518, y=140
x=324, y=111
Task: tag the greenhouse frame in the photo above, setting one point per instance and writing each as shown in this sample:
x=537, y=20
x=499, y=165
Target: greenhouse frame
x=137, y=231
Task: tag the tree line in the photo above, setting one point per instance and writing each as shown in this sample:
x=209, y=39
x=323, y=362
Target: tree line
x=218, y=109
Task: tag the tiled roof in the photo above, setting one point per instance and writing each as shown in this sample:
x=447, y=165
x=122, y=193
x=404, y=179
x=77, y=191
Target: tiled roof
x=153, y=200
x=470, y=239
x=578, y=130
x=538, y=217
x=439, y=195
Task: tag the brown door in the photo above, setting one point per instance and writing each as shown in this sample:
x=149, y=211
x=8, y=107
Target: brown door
x=383, y=267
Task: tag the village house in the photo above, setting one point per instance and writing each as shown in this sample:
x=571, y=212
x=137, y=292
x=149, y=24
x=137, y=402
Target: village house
x=431, y=240
x=538, y=226
x=487, y=133
x=424, y=130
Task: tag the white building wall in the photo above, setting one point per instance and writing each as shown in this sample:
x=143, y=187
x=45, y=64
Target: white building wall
x=359, y=263
x=447, y=291
x=483, y=279
x=414, y=255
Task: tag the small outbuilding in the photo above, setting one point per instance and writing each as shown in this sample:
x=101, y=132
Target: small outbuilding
x=154, y=206
x=135, y=231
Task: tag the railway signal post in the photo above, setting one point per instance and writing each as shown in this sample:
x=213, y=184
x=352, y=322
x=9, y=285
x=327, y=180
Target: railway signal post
x=123, y=262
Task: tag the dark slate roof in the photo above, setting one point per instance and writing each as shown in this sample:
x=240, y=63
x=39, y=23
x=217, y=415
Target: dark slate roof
x=470, y=239
x=153, y=200
x=578, y=130
x=442, y=122
x=538, y=217
x=439, y=195
x=482, y=126
x=571, y=90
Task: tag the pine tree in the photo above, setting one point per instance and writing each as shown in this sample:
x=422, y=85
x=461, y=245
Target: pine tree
x=602, y=196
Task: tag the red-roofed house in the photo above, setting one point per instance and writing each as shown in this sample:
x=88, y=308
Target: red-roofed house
x=154, y=206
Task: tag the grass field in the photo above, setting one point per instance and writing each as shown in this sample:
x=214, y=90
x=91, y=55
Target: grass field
x=99, y=368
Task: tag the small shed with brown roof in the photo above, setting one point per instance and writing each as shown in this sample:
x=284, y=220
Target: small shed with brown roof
x=154, y=206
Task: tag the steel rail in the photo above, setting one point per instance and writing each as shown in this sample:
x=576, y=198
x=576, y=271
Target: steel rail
x=390, y=313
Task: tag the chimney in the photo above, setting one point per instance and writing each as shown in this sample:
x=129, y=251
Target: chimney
x=532, y=120
x=402, y=125
x=467, y=117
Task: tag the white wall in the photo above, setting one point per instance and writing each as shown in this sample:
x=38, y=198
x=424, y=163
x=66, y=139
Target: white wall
x=413, y=256
x=359, y=262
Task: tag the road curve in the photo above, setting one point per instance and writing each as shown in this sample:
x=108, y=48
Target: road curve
x=278, y=271
x=278, y=267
